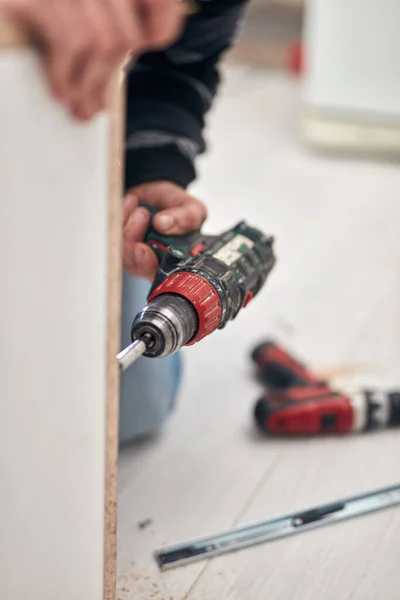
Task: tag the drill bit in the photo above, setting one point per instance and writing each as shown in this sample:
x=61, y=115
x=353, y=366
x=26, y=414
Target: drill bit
x=130, y=354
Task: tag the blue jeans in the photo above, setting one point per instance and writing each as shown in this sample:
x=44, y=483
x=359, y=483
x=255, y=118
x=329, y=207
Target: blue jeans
x=150, y=386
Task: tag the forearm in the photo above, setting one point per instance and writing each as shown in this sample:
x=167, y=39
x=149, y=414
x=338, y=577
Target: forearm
x=170, y=94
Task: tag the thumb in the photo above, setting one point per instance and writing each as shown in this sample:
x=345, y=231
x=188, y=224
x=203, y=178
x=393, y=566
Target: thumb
x=180, y=220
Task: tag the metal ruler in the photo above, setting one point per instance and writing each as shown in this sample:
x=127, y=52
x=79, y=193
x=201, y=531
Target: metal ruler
x=273, y=529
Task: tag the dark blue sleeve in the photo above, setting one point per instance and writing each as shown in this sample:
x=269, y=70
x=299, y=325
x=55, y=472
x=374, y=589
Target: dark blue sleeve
x=169, y=94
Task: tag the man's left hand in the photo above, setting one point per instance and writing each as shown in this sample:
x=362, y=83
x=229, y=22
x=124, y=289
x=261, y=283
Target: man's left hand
x=179, y=213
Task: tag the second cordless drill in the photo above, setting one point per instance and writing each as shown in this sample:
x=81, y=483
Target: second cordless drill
x=297, y=402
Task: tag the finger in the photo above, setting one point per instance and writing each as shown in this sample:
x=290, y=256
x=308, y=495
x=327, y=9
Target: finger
x=136, y=226
x=106, y=54
x=54, y=29
x=181, y=219
x=62, y=66
x=162, y=21
x=161, y=195
x=141, y=262
x=130, y=203
x=125, y=41
x=127, y=24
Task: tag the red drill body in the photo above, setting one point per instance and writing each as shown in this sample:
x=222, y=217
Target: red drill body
x=278, y=369
x=297, y=402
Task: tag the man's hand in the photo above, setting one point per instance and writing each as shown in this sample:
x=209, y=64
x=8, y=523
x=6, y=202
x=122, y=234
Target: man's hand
x=179, y=213
x=85, y=41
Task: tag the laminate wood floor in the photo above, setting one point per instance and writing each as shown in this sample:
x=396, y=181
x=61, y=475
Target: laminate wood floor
x=334, y=299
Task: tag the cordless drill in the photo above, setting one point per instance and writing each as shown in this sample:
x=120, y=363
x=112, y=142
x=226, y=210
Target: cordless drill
x=202, y=283
x=297, y=402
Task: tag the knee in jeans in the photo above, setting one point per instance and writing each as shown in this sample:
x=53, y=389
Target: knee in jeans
x=148, y=396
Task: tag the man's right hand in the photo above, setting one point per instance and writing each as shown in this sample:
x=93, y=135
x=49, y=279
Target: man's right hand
x=85, y=41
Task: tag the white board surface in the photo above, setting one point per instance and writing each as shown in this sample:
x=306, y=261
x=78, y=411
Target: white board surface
x=54, y=203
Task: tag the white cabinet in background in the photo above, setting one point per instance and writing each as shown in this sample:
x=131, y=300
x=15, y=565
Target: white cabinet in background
x=59, y=333
x=351, y=93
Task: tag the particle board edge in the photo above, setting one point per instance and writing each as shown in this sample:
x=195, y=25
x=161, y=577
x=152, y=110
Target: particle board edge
x=113, y=327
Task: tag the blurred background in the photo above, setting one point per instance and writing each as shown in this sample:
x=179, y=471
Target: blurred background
x=303, y=140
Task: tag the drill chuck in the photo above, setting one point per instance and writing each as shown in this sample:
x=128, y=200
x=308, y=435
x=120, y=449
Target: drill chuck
x=165, y=325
